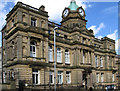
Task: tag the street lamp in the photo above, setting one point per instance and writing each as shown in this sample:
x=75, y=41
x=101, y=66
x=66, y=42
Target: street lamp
x=55, y=58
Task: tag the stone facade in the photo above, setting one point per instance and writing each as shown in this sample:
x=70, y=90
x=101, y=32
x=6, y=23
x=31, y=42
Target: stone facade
x=28, y=51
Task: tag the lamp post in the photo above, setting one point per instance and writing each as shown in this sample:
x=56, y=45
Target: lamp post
x=55, y=58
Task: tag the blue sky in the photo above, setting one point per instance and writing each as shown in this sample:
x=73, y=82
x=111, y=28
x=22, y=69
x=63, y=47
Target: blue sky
x=102, y=16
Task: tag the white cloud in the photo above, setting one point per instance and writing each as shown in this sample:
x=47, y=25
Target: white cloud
x=99, y=37
x=117, y=46
x=95, y=29
x=109, y=10
x=2, y=14
x=53, y=7
x=113, y=35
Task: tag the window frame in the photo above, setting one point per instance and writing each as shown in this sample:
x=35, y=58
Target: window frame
x=60, y=75
x=67, y=57
x=51, y=73
x=50, y=53
x=36, y=77
x=59, y=55
x=97, y=77
x=102, y=77
x=33, y=22
x=32, y=48
x=68, y=76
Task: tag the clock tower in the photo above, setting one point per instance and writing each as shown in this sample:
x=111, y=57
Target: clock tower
x=73, y=15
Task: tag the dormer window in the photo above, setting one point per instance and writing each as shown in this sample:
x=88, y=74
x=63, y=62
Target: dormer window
x=33, y=22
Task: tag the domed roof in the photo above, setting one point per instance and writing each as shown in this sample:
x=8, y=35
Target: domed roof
x=73, y=6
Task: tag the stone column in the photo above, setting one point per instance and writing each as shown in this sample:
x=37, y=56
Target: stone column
x=19, y=47
x=64, y=77
x=80, y=77
x=88, y=57
x=19, y=16
x=42, y=49
x=74, y=58
x=81, y=55
x=93, y=78
x=28, y=47
x=93, y=59
x=63, y=56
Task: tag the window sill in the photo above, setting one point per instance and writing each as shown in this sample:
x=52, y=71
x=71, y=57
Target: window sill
x=67, y=63
x=36, y=84
x=51, y=61
x=59, y=62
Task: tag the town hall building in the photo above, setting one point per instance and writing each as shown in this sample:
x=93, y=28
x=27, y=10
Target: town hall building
x=82, y=61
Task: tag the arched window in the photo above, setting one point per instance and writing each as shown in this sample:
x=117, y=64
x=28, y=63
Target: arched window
x=32, y=49
x=50, y=54
x=67, y=58
x=59, y=55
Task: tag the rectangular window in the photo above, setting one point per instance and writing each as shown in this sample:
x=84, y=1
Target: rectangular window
x=60, y=77
x=96, y=61
x=67, y=59
x=59, y=55
x=97, y=77
x=51, y=77
x=68, y=77
x=101, y=62
x=36, y=76
x=33, y=22
x=50, y=53
x=102, y=77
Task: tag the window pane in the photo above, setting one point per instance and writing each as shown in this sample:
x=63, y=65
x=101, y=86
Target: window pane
x=36, y=78
x=33, y=78
x=33, y=49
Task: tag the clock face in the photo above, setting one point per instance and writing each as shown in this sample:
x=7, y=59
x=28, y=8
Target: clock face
x=65, y=13
x=81, y=12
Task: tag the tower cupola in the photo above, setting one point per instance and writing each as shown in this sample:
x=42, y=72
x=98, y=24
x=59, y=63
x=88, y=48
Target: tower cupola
x=73, y=14
x=73, y=6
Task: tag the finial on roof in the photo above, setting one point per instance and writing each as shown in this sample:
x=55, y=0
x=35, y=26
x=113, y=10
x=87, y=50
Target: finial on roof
x=73, y=1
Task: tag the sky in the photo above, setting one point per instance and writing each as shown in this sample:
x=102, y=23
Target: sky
x=102, y=16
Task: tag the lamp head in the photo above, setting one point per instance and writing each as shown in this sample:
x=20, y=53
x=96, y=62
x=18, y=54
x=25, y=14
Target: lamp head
x=55, y=28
